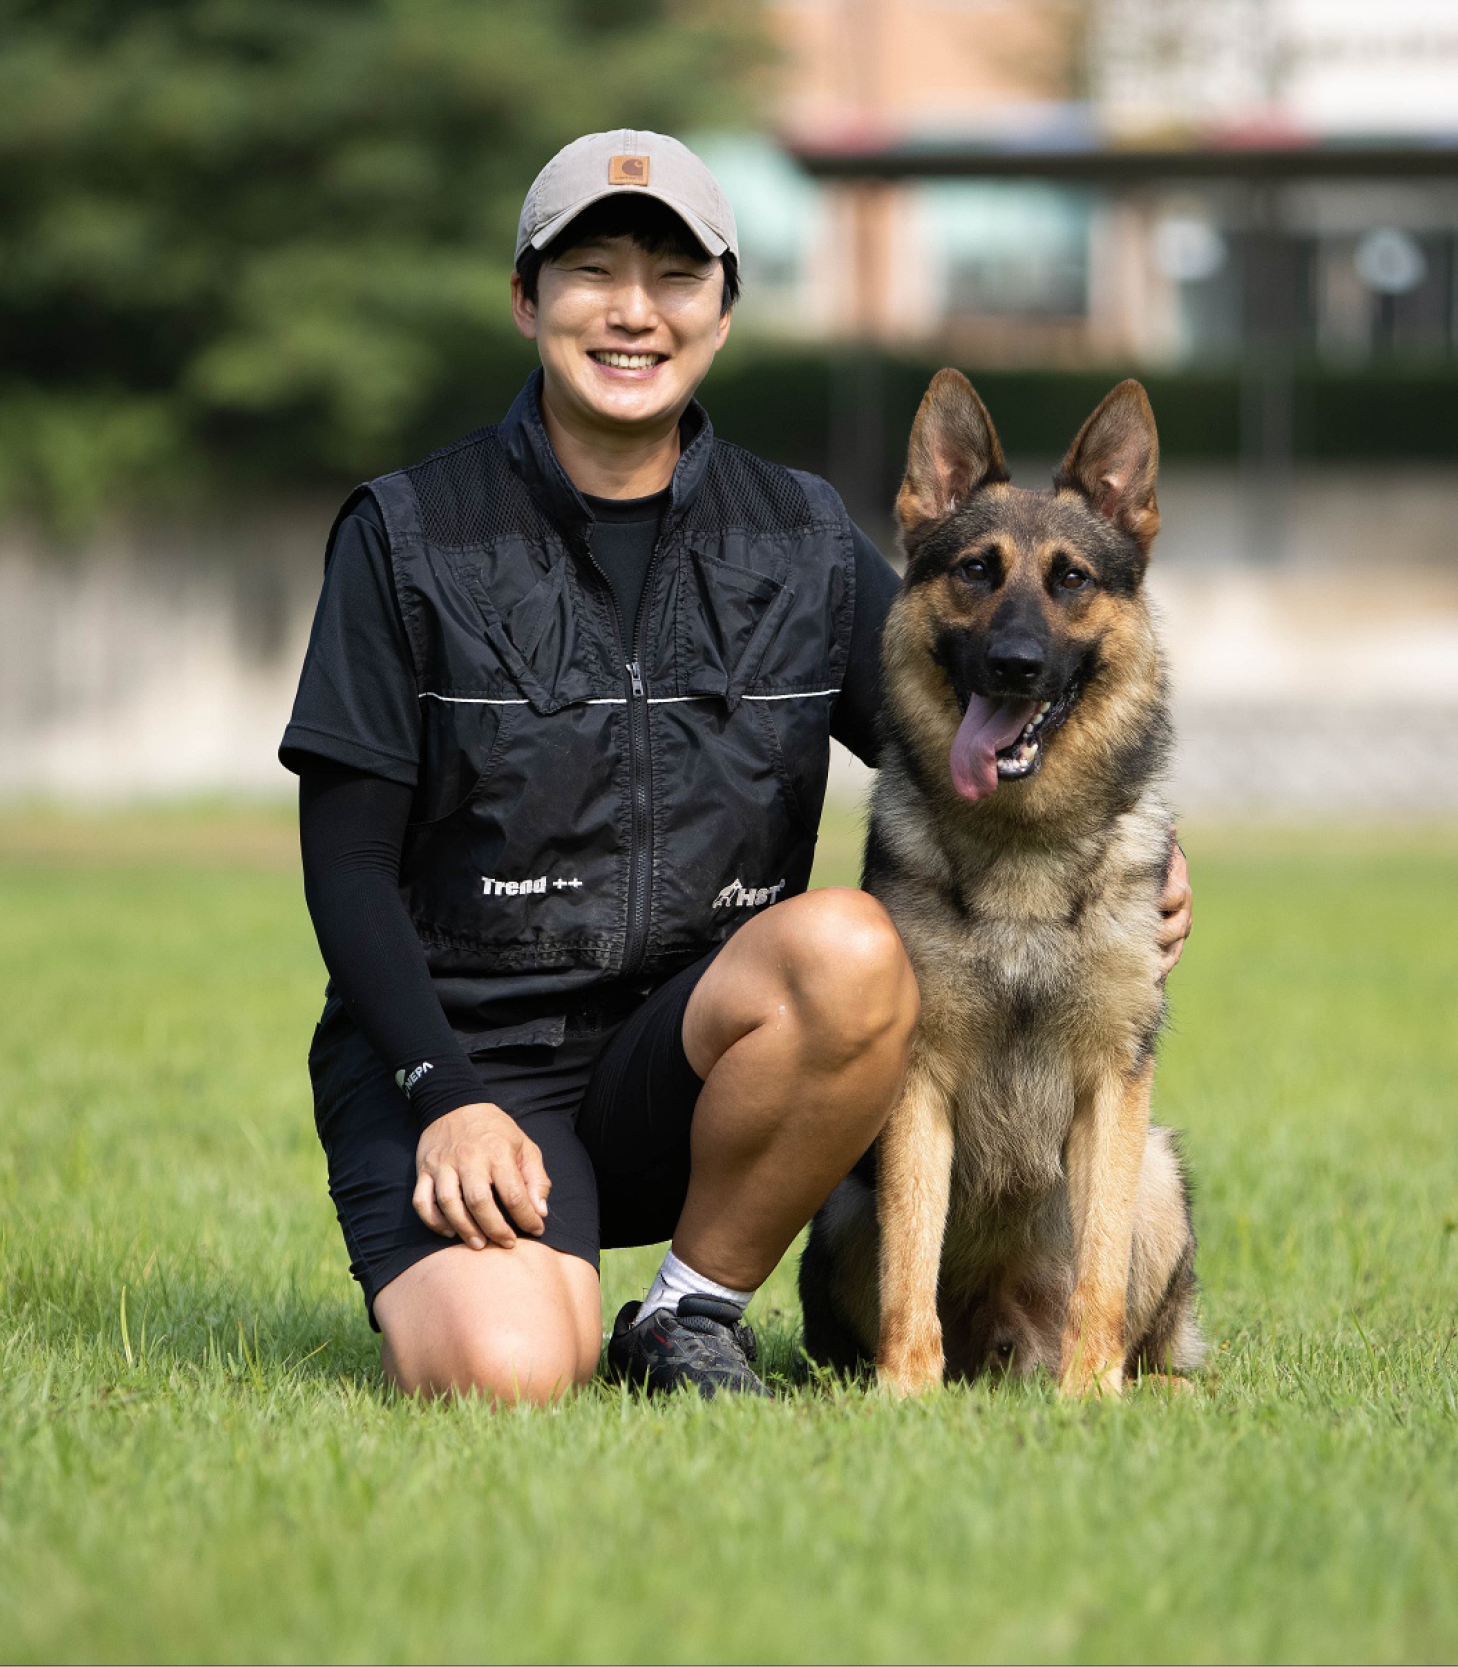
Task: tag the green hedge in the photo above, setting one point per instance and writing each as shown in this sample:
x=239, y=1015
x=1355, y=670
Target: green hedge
x=848, y=416
x=839, y=414
x=782, y=403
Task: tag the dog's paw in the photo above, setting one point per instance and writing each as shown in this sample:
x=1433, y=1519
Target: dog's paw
x=1091, y=1359
x=1080, y=1378
x=913, y=1374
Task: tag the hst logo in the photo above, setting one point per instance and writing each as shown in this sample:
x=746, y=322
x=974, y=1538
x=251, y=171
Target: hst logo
x=736, y=896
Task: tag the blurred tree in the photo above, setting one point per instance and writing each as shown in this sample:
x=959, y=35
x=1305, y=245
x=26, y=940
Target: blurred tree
x=268, y=240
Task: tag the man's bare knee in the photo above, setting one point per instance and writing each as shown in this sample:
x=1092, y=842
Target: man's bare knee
x=518, y=1325
x=847, y=972
x=499, y=1366
x=524, y=1368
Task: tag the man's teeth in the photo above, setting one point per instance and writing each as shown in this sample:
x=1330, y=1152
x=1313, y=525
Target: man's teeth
x=628, y=361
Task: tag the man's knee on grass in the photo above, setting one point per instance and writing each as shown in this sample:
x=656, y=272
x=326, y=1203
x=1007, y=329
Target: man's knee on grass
x=523, y=1324
x=502, y=1363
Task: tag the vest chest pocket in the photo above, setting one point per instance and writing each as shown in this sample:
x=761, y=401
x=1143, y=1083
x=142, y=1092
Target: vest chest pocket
x=541, y=639
x=797, y=733
x=460, y=740
x=753, y=642
x=725, y=623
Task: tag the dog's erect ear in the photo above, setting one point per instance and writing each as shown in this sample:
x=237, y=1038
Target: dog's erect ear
x=1114, y=461
x=953, y=452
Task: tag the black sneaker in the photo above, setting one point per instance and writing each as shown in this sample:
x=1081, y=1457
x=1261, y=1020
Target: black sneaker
x=704, y=1344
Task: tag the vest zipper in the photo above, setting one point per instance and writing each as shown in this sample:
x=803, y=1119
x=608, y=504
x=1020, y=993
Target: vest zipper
x=640, y=768
x=640, y=850
x=640, y=838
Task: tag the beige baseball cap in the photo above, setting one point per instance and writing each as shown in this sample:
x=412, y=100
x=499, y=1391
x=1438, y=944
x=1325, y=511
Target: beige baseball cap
x=618, y=163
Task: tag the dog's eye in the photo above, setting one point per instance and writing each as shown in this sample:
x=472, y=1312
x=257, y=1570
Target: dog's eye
x=1074, y=579
x=973, y=568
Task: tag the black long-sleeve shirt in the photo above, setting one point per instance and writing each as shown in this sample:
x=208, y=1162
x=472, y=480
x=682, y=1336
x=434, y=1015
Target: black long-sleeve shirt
x=354, y=741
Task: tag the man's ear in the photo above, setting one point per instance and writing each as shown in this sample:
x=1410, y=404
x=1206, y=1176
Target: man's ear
x=523, y=312
x=953, y=452
x=1114, y=461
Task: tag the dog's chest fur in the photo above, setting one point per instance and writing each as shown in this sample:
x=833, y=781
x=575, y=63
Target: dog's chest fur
x=1040, y=975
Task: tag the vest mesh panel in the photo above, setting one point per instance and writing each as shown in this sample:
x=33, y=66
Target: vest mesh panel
x=470, y=495
x=741, y=490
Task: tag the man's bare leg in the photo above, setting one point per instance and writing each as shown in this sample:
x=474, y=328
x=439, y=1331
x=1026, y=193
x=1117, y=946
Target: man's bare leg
x=801, y=1029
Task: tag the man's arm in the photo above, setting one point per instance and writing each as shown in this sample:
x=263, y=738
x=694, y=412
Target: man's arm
x=470, y=1154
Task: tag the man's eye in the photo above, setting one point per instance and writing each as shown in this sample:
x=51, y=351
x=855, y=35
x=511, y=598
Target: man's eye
x=1073, y=579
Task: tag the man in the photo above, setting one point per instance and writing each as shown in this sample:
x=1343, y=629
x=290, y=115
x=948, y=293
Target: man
x=562, y=735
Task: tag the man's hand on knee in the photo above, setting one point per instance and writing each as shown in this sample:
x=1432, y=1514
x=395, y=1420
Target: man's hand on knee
x=476, y=1174
x=1177, y=905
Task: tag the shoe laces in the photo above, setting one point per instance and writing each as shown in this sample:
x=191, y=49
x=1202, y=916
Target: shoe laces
x=741, y=1332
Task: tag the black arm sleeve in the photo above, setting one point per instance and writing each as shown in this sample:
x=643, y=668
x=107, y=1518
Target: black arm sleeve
x=853, y=722
x=351, y=828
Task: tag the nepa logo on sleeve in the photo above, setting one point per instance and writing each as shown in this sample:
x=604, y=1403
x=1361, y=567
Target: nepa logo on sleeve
x=627, y=170
x=408, y=1083
x=736, y=896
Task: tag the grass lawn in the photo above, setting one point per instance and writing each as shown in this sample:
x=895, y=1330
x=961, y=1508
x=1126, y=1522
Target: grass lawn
x=197, y=1460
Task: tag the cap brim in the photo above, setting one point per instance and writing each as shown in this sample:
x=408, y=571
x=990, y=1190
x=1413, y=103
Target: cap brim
x=713, y=242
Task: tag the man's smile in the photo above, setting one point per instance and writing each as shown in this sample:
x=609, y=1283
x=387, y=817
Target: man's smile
x=614, y=359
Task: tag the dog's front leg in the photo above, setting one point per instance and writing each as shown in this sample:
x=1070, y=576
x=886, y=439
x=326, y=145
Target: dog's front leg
x=913, y=1184
x=1103, y=1158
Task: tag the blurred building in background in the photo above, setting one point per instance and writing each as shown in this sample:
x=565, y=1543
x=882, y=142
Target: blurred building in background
x=1113, y=261
x=1250, y=204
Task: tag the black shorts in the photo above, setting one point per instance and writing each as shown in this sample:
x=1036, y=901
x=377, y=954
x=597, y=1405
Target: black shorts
x=610, y=1106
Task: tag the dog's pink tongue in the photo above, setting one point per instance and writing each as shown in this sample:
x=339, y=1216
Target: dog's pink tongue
x=989, y=724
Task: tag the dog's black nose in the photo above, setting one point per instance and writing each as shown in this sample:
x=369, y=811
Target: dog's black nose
x=1016, y=662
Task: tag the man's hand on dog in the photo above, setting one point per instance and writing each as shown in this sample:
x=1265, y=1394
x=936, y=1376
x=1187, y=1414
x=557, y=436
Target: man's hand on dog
x=470, y=1165
x=1177, y=905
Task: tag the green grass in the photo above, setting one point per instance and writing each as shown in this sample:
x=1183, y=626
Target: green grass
x=197, y=1460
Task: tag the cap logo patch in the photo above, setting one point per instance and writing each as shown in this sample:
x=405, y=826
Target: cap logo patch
x=627, y=170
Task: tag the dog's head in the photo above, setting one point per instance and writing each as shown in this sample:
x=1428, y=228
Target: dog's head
x=1026, y=604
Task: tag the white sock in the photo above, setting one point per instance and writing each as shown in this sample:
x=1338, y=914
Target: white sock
x=677, y=1279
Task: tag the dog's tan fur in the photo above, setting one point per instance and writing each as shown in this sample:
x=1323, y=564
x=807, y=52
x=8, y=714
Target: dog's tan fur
x=1024, y=1212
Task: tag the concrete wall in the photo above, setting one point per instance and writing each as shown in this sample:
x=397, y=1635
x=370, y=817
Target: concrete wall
x=160, y=661
x=1317, y=675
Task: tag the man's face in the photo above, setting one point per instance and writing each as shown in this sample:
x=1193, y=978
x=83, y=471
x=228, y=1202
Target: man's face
x=624, y=336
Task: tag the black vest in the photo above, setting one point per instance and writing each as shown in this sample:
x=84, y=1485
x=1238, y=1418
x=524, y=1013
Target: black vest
x=601, y=800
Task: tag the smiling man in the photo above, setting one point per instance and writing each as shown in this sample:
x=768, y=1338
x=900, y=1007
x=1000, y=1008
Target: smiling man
x=562, y=737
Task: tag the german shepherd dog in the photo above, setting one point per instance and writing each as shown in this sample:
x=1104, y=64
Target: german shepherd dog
x=1019, y=1210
